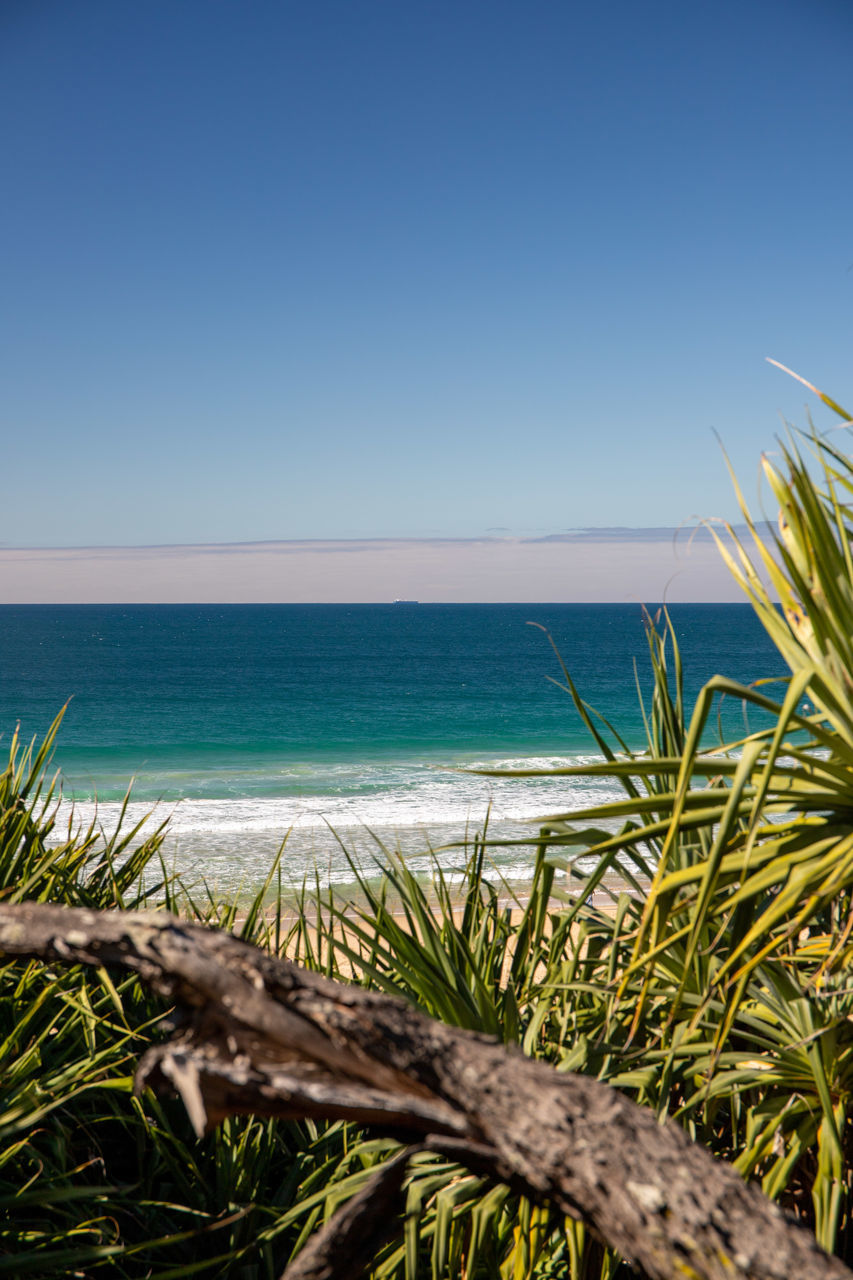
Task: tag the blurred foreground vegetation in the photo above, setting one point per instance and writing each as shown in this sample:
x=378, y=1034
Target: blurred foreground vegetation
x=702, y=967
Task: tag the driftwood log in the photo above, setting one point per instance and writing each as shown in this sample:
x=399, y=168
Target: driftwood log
x=264, y=1036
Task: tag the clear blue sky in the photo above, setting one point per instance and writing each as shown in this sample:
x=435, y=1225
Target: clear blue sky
x=343, y=269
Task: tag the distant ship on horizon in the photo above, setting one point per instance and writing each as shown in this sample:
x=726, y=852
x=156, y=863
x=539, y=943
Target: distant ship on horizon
x=406, y=602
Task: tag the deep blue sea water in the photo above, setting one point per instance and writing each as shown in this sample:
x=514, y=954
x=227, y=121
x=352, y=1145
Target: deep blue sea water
x=247, y=721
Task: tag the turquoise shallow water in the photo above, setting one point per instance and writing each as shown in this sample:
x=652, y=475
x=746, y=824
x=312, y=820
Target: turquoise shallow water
x=246, y=722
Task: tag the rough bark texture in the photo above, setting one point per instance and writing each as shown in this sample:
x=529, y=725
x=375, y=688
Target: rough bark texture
x=262, y=1035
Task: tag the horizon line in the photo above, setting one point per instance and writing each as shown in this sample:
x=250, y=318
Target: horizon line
x=370, y=604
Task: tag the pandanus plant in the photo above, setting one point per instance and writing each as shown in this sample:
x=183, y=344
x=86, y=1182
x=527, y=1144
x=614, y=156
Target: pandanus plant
x=718, y=990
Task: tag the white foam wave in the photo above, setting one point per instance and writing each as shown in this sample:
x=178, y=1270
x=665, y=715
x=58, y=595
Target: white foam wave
x=412, y=808
x=433, y=799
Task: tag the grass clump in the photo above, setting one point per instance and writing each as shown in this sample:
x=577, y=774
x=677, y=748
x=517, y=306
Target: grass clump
x=92, y=1178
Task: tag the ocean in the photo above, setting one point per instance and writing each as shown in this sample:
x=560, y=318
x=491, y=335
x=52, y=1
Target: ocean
x=339, y=727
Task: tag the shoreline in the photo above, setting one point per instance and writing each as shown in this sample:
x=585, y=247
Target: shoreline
x=514, y=897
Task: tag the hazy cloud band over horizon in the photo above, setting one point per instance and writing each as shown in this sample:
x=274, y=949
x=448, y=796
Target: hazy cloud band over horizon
x=591, y=565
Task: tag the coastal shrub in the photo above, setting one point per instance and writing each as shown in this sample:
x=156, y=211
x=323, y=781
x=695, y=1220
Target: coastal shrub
x=93, y=1179
x=721, y=994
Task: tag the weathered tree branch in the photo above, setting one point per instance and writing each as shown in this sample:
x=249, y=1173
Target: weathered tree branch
x=263, y=1036
x=344, y=1248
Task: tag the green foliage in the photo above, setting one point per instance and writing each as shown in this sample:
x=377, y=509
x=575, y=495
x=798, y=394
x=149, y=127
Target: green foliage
x=93, y=1179
x=719, y=993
